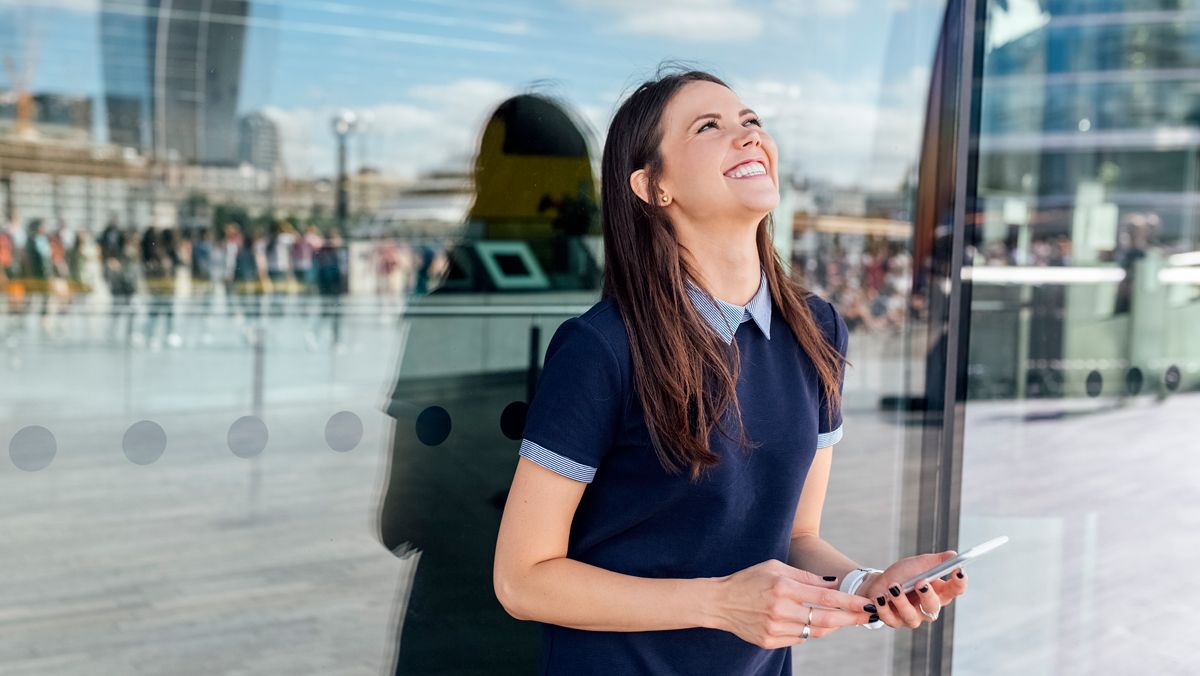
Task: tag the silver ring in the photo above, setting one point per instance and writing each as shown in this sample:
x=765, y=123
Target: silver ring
x=805, y=633
x=810, y=611
x=933, y=616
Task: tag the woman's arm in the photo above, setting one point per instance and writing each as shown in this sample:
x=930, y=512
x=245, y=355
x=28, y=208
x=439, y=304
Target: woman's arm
x=807, y=550
x=535, y=581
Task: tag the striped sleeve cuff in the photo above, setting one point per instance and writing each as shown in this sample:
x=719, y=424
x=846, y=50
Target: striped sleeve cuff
x=557, y=463
x=829, y=438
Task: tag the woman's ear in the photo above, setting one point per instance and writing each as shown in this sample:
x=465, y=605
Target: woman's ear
x=638, y=182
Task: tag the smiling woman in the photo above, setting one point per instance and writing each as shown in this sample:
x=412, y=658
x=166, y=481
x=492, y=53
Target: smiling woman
x=641, y=535
x=329, y=200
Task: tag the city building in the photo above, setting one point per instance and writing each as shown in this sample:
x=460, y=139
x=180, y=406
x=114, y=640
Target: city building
x=172, y=72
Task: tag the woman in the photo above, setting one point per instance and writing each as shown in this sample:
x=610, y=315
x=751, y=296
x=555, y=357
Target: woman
x=702, y=355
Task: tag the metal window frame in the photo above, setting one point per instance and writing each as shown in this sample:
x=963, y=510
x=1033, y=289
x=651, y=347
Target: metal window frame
x=946, y=196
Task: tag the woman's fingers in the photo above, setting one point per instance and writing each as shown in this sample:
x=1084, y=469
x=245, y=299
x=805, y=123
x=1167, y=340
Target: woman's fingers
x=828, y=598
x=900, y=610
x=950, y=588
x=836, y=619
x=928, y=600
x=824, y=622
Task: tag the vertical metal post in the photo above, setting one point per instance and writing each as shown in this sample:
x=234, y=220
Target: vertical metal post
x=342, y=180
x=945, y=199
x=531, y=374
x=950, y=315
x=260, y=333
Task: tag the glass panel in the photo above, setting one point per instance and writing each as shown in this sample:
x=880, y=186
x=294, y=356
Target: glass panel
x=279, y=278
x=1082, y=368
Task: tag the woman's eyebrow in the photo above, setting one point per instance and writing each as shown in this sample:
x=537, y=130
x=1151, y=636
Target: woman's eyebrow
x=718, y=115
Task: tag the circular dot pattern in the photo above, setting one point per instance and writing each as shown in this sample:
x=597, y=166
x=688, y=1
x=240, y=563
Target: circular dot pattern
x=343, y=431
x=433, y=425
x=32, y=448
x=247, y=436
x=1172, y=378
x=144, y=442
x=512, y=420
x=1134, y=380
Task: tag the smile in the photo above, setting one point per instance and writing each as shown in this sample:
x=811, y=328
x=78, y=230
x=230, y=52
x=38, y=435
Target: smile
x=753, y=169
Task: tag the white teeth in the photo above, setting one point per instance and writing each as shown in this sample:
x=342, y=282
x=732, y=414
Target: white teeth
x=749, y=169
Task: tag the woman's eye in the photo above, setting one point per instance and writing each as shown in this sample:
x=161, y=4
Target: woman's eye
x=755, y=120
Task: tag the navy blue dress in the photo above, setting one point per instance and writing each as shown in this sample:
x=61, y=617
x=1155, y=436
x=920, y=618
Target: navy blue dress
x=585, y=422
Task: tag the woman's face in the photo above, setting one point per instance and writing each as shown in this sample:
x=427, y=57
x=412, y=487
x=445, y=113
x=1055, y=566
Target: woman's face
x=701, y=153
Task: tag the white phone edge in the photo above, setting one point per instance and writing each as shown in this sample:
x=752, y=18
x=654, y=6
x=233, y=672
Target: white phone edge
x=952, y=563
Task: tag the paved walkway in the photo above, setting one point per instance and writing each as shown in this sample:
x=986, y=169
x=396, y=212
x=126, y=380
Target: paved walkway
x=205, y=562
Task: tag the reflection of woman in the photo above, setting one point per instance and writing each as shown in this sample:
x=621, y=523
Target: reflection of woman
x=677, y=450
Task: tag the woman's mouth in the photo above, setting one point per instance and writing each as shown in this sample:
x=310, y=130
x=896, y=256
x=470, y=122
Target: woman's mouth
x=754, y=169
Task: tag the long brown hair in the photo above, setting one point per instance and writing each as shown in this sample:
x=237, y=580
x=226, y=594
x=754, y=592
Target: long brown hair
x=682, y=370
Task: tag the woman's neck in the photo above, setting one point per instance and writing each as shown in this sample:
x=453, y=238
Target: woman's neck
x=727, y=262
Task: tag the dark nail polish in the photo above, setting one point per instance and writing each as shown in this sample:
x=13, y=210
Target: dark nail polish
x=829, y=578
x=924, y=589
x=882, y=600
x=874, y=618
x=895, y=589
x=946, y=577
x=870, y=608
x=960, y=575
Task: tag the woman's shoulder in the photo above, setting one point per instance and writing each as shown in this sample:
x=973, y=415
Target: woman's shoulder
x=604, y=320
x=827, y=316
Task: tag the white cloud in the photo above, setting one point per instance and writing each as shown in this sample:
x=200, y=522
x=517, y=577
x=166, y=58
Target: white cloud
x=682, y=20
x=906, y=5
x=850, y=132
x=858, y=131
x=87, y=6
x=815, y=7
x=437, y=124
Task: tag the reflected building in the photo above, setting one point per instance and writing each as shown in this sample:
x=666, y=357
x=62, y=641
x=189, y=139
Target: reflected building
x=258, y=142
x=1092, y=102
x=1088, y=158
x=171, y=73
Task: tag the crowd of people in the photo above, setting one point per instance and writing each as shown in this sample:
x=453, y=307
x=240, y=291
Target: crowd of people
x=242, y=272
x=869, y=286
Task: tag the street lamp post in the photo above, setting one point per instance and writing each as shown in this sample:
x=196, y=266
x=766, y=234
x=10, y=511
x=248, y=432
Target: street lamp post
x=343, y=125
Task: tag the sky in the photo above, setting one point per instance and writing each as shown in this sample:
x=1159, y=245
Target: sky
x=840, y=84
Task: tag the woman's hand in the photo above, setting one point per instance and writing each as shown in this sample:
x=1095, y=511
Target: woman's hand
x=898, y=609
x=768, y=605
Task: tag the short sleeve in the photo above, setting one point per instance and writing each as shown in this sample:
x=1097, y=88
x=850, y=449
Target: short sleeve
x=578, y=404
x=829, y=424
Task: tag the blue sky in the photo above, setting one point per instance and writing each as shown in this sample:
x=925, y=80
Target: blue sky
x=840, y=83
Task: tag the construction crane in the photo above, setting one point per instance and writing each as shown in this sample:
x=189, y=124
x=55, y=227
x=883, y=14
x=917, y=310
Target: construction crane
x=20, y=75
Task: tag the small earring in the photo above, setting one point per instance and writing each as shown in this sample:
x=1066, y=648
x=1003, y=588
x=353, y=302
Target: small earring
x=665, y=198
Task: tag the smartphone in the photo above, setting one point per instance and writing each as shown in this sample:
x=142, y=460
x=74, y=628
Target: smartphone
x=950, y=564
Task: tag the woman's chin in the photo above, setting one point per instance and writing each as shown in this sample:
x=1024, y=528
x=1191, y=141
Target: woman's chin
x=763, y=206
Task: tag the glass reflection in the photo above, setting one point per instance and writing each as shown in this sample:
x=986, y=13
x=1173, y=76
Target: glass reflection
x=1082, y=373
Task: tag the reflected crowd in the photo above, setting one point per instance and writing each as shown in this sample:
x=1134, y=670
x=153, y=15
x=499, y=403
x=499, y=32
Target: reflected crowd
x=870, y=285
x=170, y=286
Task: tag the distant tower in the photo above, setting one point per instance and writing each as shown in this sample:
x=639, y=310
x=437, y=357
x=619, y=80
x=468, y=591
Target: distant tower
x=172, y=70
x=258, y=141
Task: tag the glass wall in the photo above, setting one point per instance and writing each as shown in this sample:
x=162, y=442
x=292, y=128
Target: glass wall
x=1082, y=369
x=279, y=276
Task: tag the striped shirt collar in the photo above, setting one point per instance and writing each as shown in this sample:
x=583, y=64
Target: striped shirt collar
x=726, y=317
